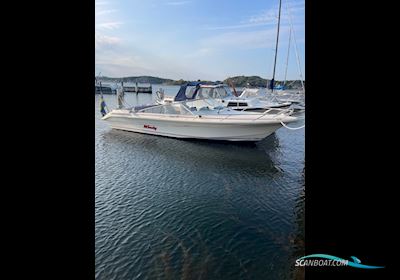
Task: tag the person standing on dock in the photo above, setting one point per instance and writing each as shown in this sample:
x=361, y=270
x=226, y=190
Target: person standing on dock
x=103, y=105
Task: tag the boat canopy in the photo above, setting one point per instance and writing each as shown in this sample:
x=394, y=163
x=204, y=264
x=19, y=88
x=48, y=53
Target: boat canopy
x=195, y=90
x=181, y=95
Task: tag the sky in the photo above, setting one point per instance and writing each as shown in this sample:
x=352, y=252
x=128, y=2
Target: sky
x=197, y=39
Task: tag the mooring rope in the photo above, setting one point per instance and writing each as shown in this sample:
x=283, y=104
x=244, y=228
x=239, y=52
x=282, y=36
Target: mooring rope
x=291, y=128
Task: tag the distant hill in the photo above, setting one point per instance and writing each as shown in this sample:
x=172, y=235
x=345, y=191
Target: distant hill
x=182, y=82
x=137, y=79
x=237, y=81
x=256, y=81
x=242, y=81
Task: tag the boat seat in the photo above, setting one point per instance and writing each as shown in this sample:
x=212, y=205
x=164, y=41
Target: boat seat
x=141, y=107
x=205, y=108
x=219, y=108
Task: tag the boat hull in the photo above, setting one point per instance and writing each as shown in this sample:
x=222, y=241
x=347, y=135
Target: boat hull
x=195, y=129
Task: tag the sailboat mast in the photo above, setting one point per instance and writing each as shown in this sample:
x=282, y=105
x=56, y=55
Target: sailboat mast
x=287, y=57
x=276, y=46
x=295, y=46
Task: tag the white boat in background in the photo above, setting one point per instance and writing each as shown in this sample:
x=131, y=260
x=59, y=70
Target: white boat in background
x=278, y=99
x=223, y=94
x=199, y=119
x=266, y=99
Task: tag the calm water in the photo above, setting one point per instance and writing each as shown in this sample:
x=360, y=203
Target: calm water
x=187, y=209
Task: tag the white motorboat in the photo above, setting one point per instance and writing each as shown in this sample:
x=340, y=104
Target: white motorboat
x=199, y=119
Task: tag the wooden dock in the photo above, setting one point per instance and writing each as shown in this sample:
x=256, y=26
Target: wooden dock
x=105, y=90
x=138, y=89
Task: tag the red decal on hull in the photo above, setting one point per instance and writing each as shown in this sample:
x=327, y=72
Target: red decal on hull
x=150, y=126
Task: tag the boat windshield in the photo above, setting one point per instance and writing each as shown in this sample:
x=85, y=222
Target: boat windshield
x=250, y=92
x=221, y=92
x=208, y=103
x=170, y=109
x=207, y=92
x=190, y=91
x=188, y=107
x=228, y=91
x=218, y=92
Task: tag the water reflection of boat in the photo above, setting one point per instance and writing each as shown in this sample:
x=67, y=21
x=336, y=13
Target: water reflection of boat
x=247, y=158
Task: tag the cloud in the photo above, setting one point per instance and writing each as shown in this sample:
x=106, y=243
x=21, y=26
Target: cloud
x=112, y=25
x=244, y=40
x=105, y=12
x=267, y=17
x=103, y=21
x=119, y=60
x=202, y=52
x=235, y=26
x=133, y=55
x=114, y=69
x=115, y=65
x=177, y=3
x=101, y=3
x=103, y=41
